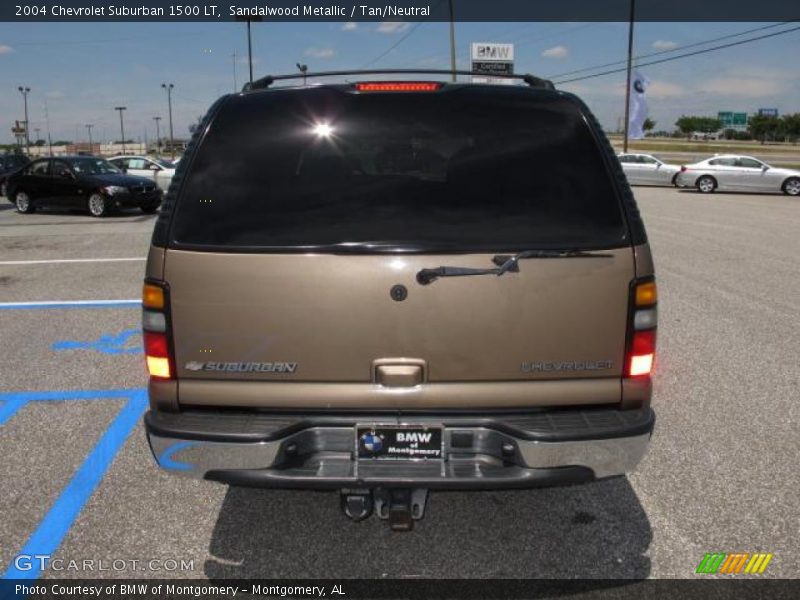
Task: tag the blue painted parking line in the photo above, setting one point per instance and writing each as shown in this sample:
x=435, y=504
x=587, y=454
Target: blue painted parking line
x=53, y=304
x=47, y=537
x=108, y=343
x=11, y=402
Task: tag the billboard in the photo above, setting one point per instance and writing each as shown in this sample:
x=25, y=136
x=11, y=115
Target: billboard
x=767, y=112
x=493, y=59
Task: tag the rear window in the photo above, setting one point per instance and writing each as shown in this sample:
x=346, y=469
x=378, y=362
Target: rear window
x=470, y=169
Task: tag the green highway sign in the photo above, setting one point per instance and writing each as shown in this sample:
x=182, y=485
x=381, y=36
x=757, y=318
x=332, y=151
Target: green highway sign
x=732, y=119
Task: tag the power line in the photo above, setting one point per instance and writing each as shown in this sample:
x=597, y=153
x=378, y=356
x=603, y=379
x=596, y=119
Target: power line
x=400, y=41
x=671, y=50
x=696, y=52
x=393, y=46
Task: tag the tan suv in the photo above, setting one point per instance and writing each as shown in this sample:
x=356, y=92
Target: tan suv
x=388, y=287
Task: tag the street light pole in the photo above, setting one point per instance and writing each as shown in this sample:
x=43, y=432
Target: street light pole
x=235, y=86
x=89, y=130
x=121, y=125
x=628, y=76
x=24, y=91
x=158, y=134
x=169, y=87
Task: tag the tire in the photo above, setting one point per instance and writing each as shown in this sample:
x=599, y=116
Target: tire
x=791, y=187
x=706, y=184
x=97, y=204
x=150, y=209
x=23, y=202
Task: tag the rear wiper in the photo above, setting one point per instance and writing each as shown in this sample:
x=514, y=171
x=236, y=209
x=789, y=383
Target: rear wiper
x=505, y=264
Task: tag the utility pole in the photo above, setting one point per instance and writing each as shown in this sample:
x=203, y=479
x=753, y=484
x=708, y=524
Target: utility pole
x=158, y=134
x=36, y=129
x=89, y=130
x=25, y=91
x=452, y=41
x=628, y=76
x=169, y=87
x=121, y=125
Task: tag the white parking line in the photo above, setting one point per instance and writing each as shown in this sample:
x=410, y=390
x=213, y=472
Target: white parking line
x=69, y=260
x=69, y=304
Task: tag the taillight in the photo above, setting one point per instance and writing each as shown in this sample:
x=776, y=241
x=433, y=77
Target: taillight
x=398, y=86
x=156, y=330
x=683, y=168
x=641, y=353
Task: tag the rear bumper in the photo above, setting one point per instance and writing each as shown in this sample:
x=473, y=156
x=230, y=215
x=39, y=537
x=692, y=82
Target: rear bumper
x=309, y=451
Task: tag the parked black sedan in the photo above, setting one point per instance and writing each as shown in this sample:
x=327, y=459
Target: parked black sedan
x=80, y=182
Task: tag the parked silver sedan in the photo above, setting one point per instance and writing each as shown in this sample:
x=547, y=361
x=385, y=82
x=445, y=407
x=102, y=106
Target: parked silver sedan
x=646, y=169
x=730, y=172
x=159, y=170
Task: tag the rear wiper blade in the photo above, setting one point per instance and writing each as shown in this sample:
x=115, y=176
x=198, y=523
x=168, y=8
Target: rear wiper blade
x=505, y=264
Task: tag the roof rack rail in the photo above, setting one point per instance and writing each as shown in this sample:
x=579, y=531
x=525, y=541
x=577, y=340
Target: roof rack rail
x=265, y=82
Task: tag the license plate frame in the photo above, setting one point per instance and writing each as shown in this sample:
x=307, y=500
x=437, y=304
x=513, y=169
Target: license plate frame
x=417, y=442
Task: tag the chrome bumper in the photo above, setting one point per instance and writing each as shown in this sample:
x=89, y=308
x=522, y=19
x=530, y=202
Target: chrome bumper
x=321, y=456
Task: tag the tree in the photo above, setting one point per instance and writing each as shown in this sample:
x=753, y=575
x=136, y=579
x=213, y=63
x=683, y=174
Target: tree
x=689, y=125
x=791, y=126
x=686, y=125
x=648, y=124
x=762, y=127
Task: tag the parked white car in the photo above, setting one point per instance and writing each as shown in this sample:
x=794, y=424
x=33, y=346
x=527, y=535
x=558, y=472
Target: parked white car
x=731, y=172
x=646, y=169
x=159, y=170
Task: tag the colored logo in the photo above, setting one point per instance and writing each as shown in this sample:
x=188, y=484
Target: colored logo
x=372, y=442
x=734, y=563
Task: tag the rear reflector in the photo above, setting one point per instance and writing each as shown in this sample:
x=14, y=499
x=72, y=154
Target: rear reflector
x=153, y=296
x=642, y=354
x=155, y=344
x=399, y=86
x=156, y=350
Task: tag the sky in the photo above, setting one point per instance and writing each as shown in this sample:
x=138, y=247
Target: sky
x=78, y=72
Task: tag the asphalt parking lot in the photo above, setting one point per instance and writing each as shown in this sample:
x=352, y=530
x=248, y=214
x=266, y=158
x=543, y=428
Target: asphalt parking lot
x=721, y=474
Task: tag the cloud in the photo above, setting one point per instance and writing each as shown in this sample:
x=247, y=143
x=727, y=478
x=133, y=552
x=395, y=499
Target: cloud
x=350, y=26
x=392, y=27
x=319, y=52
x=665, y=89
x=665, y=45
x=556, y=52
x=5, y=49
x=745, y=87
